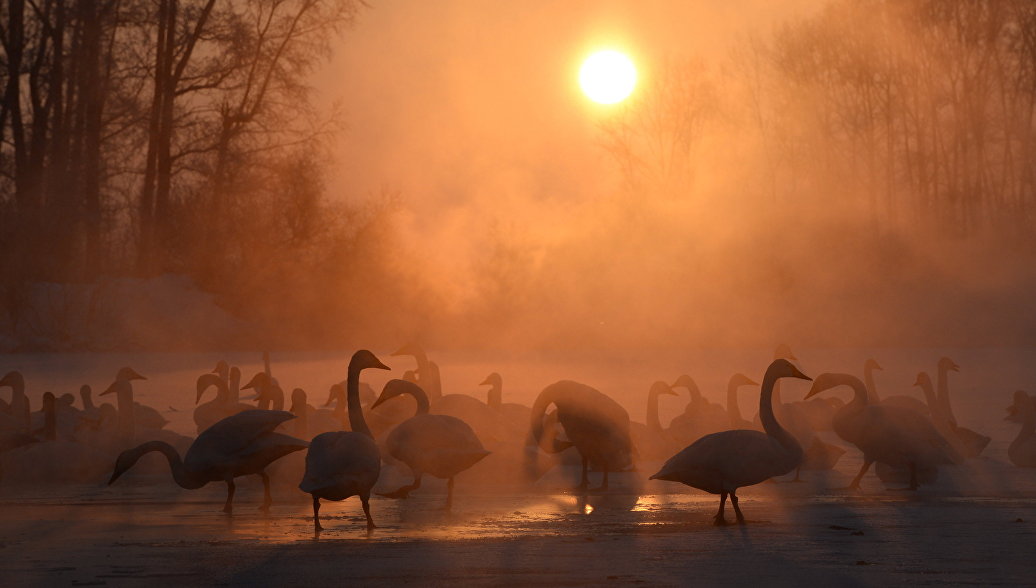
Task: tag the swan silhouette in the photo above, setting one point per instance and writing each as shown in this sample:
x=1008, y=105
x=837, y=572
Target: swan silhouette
x=596, y=425
x=891, y=435
x=722, y=462
x=436, y=444
x=239, y=445
x=340, y=464
x=1022, y=451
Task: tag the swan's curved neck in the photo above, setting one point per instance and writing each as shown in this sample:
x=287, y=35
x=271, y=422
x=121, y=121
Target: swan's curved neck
x=124, y=398
x=539, y=413
x=860, y=396
x=766, y=416
x=943, y=395
x=872, y=392
x=653, y=422
x=733, y=410
x=234, y=387
x=88, y=401
x=183, y=478
x=352, y=393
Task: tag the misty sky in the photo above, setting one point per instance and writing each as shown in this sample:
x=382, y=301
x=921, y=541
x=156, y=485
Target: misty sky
x=475, y=104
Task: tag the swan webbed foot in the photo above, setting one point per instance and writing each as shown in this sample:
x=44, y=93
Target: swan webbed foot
x=719, y=521
x=317, y=527
x=228, y=510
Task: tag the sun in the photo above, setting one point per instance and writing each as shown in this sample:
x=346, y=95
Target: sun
x=607, y=76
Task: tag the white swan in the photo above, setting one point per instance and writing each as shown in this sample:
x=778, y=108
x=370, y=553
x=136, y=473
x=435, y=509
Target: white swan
x=436, y=444
x=890, y=435
x=343, y=464
x=722, y=462
x=239, y=445
x=596, y=425
x=1022, y=451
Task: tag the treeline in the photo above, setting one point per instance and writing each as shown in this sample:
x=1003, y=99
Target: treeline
x=915, y=111
x=145, y=137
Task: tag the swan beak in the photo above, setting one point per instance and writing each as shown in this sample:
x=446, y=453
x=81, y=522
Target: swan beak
x=381, y=366
x=377, y=402
x=115, y=476
x=110, y=389
x=954, y=367
x=798, y=374
x=485, y=382
x=751, y=382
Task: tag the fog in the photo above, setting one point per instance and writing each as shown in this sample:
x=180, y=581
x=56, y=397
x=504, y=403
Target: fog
x=518, y=223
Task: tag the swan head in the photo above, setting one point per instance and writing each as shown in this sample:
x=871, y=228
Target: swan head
x=335, y=393
x=661, y=387
x=221, y=368
x=298, y=400
x=258, y=382
x=13, y=379
x=782, y=368
x=123, y=463
x=494, y=380
x=740, y=379
x=826, y=381
x=947, y=364
x=1022, y=403
x=784, y=352
x=685, y=381
x=67, y=399
x=395, y=388
x=923, y=380
x=412, y=349
x=363, y=359
x=128, y=374
x=871, y=364
x=206, y=381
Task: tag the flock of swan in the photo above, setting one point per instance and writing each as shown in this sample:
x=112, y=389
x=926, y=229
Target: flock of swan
x=709, y=447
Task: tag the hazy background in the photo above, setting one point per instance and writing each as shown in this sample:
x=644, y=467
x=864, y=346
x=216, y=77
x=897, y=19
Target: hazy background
x=848, y=173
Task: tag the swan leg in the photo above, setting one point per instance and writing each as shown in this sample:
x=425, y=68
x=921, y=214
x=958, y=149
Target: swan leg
x=404, y=491
x=737, y=509
x=267, y=498
x=719, y=518
x=316, y=514
x=449, y=493
x=604, y=482
x=855, y=484
x=365, y=501
x=584, y=482
x=229, y=506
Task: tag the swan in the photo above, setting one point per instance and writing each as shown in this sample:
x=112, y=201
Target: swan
x=966, y=442
x=651, y=440
x=341, y=464
x=427, y=371
x=596, y=425
x=722, y=462
x=19, y=405
x=733, y=408
x=515, y=415
x=972, y=442
x=122, y=387
x=215, y=410
x=899, y=400
x=239, y=445
x=269, y=394
x=700, y=417
x=891, y=435
x=436, y=444
x=1022, y=451
x=312, y=421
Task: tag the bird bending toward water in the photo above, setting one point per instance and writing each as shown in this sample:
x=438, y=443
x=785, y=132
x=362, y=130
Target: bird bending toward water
x=239, y=445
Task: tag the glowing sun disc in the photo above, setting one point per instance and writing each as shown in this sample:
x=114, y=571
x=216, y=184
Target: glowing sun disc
x=607, y=77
